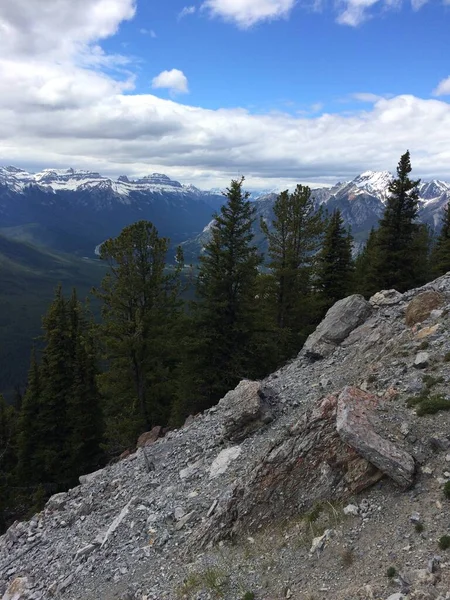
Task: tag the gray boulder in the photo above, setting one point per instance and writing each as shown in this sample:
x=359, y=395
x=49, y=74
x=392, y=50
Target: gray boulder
x=355, y=429
x=342, y=318
x=246, y=409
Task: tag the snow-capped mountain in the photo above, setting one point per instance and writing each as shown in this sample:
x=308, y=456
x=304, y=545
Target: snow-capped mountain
x=75, y=210
x=55, y=180
x=361, y=202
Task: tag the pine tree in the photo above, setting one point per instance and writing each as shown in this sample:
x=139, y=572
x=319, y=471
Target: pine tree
x=364, y=282
x=440, y=259
x=334, y=263
x=7, y=461
x=56, y=372
x=140, y=309
x=84, y=414
x=401, y=246
x=30, y=468
x=225, y=310
x=293, y=242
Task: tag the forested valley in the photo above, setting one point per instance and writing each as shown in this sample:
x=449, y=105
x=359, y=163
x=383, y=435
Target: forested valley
x=153, y=357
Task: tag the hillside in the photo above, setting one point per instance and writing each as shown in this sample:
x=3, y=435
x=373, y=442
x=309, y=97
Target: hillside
x=325, y=480
x=29, y=275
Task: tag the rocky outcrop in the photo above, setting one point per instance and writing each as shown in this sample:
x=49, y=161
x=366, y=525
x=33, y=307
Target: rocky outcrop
x=354, y=427
x=339, y=322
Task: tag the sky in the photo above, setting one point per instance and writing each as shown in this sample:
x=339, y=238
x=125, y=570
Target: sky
x=279, y=91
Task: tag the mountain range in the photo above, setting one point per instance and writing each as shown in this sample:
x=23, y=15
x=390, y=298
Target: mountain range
x=74, y=211
x=51, y=223
x=361, y=202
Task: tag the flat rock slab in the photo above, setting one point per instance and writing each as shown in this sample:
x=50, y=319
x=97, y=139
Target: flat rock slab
x=354, y=428
x=342, y=318
x=222, y=461
x=246, y=409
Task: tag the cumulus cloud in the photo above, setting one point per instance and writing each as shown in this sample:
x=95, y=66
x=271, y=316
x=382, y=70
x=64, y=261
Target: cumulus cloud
x=443, y=89
x=58, y=28
x=58, y=108
x=186, y=11
x=174, y=80
x=246, y=13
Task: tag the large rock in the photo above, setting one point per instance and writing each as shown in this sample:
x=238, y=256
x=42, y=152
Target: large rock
x=385, y=298
x=246, y=409
x=355, y=429
x=342, y=318
x=149, y=437
x=421, y=306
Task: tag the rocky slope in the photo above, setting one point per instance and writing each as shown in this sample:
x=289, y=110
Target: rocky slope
x=325, y=480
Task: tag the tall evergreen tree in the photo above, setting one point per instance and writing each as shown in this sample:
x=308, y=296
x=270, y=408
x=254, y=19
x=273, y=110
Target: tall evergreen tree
x=364, y=282
x=401, y=245
x=140, y=309
x=30, y=468
x=7, y=461
x=334, y=263
x=225, y=310
x=60, y=422
x=56, y=372
x=84, y=414
x=293, y=242
x=440, y=259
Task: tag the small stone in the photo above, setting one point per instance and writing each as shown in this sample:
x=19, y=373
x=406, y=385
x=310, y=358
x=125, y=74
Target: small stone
x=422, y=360
x=351, y=509
x=182, y=522
x=415, y=517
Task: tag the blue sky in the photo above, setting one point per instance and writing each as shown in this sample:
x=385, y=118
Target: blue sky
x=282, y=91
x=293, y=63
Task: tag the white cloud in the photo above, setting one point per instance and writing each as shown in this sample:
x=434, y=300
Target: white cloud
x=174, y=80
x=149, y=32
x=58, y=28
x=246, y=13
x=58, y=109
x=443, y=89
x=367, y=97
x=187, y=10
x=355, y=12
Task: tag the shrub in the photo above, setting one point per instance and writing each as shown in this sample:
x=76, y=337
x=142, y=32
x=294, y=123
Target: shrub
x=429, y=381
x=391, y=572
x=444, y=542
x=432, y=405
x=424, y=345
x=447, y=357
x=447, y=490
x=248, y=596
x=347, y=557
x=419, y=527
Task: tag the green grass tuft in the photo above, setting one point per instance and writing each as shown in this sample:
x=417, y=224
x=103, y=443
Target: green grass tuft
x=391, y=572
x=444, y=542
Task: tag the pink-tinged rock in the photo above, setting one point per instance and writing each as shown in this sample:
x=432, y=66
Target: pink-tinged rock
x=355, y=429
x=149, y=437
